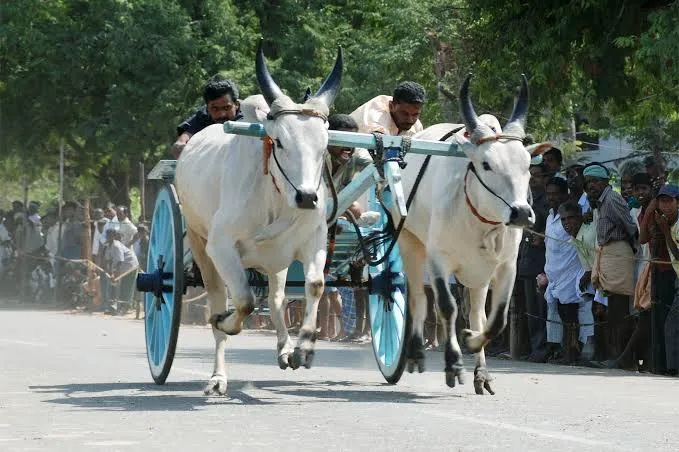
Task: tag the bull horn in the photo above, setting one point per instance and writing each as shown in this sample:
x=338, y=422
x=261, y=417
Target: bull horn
x=270, y=90
x=307, y=95
x=518, y=117
x=330, y=87
x=469, y=116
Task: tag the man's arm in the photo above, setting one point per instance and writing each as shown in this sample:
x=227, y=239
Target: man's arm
x=665, y=228
x=178, y=145
x=620, y=211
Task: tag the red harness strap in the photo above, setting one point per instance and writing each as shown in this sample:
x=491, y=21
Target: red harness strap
x=473, y=209
x=267, y=148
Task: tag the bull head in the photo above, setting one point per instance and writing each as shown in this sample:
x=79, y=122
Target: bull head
x=477, y=129
x=326, y=93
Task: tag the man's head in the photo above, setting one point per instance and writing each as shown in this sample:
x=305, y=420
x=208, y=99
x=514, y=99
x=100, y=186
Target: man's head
x=33, y=207
x=667, y=200
x=575, y=179
x=109, y=213
x=538, y=179
x=642, y=188
x=344, y=123
x=406, y=104
x=112, y=234
x=552, y=158
x=121, y=213
x=596, y=180
x=97, y=214
x=221, y=100
x=627, y=171
x=571, y=217
x=655, y=166
x=101, y=224
x=557, y=192
x=142, y=230
x=69, y=210
x=17, y=206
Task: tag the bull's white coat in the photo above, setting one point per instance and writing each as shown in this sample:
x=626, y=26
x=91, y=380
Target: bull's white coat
x=237, y=217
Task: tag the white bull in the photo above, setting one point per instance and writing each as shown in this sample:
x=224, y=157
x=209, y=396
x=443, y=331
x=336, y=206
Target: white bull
x=466, y=219
x=245, y=211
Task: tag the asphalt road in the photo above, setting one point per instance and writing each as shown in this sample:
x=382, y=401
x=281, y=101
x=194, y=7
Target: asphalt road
x=76, y=382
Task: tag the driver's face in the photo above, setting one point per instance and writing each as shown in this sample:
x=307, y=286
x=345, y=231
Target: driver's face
x=222, y=109
x=404, y=115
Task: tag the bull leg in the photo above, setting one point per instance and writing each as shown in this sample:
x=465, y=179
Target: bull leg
x=439, y=274
x=313, y=261
x=276, y=300
x=413, y=255
x=483, y=332
x=227, y=261
x=214, y=286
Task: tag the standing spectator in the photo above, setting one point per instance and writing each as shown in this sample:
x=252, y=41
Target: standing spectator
x=122, y=263
x=127, y=229
x=553, y=159
x=580, y=309
x=666, y=217
x=531, y=263
x=561, y=267
x=627, y=171
x=657, y=168
x=613, y=271
x=576, y=187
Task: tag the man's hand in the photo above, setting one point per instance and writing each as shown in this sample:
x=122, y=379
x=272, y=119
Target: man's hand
x=585, y=280
x=177, y=149
x=658, y=182
x=662, y=222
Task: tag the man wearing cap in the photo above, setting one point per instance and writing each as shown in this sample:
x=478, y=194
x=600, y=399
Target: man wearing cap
x=613, y=270
x=666, y=217
x=553, y=159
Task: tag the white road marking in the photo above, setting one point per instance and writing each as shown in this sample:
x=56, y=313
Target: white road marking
x=6, y=440
x=19, y=342
x=520, y=429
x=191, y=372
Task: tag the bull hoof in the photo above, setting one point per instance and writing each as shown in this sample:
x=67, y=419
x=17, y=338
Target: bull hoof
x=215, y=386
x=284, y=361
x=415, y=363
x=482, y=381
x=226, y=322
x=473, y=340
x=455, y=375
x=301, y=358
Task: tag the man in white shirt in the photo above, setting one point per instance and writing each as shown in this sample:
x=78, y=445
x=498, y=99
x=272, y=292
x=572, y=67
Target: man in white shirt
x=127, y=229
x=561, y=263
x=122, y=266
x=398, y=114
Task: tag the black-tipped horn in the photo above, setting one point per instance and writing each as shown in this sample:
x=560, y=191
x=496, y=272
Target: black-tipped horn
x=270, y=90
x=307, y=95
x=520, y=112
x=330, y=87
x=469, y=116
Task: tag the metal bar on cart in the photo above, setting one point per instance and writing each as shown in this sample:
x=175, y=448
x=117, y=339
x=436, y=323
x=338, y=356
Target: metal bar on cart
x=356, y=139
x=362, y=182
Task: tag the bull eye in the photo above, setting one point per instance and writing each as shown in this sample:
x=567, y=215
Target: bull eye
x=486, y=166
x=278, y=143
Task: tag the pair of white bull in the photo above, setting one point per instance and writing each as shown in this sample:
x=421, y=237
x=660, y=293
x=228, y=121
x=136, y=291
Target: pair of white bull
x=464, y=220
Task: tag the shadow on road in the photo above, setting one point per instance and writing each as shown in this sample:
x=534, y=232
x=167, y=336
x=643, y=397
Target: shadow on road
x=183, y=396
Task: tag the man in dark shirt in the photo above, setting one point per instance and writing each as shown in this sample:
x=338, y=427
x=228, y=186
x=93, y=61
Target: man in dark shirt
x=531, y=263
x=221, y=104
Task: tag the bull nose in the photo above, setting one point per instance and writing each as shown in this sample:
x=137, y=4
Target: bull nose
x=522, y=216
x=306, y=200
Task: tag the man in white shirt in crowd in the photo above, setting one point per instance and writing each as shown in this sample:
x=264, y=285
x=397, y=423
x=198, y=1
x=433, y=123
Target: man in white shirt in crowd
x=122, y=265
x=561, y=263
x=127, y=229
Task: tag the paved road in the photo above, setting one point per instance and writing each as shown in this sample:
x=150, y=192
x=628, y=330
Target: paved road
x=80, y=382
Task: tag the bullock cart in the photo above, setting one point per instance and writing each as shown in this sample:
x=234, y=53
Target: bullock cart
x=171, y=269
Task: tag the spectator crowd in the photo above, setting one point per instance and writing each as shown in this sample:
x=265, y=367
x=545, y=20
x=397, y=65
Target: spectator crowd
x=35, y=260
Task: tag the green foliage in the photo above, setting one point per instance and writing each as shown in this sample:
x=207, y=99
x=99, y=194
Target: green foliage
x=109, y=80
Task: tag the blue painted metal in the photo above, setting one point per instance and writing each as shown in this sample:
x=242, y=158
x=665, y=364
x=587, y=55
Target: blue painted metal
x=163, y=284
x=355, y=139
x=388, y=307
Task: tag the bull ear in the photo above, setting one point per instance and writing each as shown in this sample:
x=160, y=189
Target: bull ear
x=538, y=149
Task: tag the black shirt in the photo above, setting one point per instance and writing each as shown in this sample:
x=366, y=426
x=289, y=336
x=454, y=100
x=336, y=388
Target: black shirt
x=200, y=120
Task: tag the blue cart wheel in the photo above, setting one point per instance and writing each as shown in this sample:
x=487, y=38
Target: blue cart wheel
x=165, y=260
x=388, y=309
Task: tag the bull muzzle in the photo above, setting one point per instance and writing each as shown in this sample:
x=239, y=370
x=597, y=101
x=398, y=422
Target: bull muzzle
x=522, y=216
x=306, y=200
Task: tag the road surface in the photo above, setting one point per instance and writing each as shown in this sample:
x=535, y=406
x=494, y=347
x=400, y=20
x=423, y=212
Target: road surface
x=72, y=382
